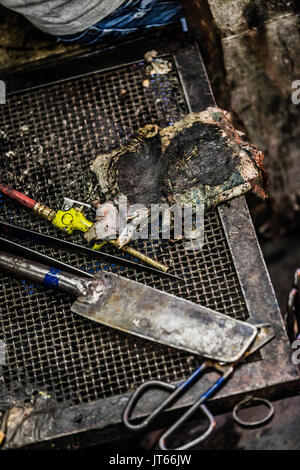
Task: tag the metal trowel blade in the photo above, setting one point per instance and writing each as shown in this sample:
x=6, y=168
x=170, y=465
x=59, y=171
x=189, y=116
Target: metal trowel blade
x=151, y=314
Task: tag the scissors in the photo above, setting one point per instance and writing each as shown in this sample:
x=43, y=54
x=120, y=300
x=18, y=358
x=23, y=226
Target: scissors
x=265, y=334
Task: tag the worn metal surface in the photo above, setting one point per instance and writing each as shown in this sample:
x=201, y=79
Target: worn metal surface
x=162, y=317
x=140, y=310
x=24, y=268
x=90, y=371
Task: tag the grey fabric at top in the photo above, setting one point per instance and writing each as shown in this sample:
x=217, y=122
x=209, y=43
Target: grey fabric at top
x=63, y=17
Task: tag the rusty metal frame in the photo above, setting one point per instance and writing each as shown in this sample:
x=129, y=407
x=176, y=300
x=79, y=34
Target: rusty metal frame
x=272, y=376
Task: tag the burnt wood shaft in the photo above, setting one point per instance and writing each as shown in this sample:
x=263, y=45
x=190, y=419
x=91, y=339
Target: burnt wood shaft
x=46, y=275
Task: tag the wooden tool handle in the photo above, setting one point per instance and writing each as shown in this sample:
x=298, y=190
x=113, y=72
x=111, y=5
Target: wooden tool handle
x=14, y=194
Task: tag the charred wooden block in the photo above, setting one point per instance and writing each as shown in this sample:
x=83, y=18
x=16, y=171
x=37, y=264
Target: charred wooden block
x=201, y=159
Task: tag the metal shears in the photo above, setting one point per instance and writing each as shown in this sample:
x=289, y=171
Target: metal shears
x=265, y=334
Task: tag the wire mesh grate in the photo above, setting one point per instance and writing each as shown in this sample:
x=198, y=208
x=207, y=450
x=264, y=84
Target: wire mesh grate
x=48, y=138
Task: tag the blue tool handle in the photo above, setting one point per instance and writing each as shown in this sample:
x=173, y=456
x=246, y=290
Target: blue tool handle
x=156, y=384
x=206, y=395
x=198, y=405
x=184, y=385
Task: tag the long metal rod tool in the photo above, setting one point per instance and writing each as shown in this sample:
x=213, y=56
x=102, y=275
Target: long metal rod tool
x=18, y=249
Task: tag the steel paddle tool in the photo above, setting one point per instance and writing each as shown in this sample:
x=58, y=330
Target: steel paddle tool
x=140, y=310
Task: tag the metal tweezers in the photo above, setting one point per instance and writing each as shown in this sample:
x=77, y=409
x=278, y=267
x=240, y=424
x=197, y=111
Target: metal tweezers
x=265, y=334
x=37, y=237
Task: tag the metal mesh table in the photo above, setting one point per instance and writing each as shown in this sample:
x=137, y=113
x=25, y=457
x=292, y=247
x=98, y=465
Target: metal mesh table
x=49, y=135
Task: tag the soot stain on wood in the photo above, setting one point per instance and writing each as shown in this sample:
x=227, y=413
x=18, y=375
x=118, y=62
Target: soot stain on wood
x=255, y=14
x=138, y=172
x=199, y=155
